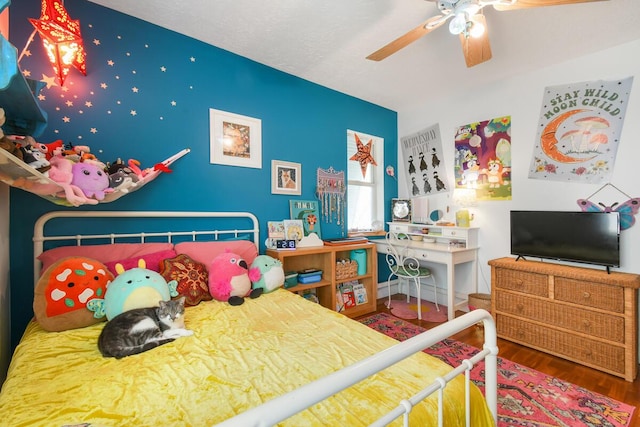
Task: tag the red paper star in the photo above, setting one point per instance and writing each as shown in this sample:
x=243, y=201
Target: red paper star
x=363, y=155
x=61, y=38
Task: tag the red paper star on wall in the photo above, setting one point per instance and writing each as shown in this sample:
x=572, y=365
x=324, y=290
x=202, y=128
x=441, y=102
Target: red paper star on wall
x=363, y=155
x=61, y=38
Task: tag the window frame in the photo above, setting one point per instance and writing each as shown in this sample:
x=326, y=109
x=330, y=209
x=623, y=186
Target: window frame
x=377, y=184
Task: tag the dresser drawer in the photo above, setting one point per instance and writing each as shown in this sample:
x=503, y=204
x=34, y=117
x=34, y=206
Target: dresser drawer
x=605, y=297
x=399, y=228
x=597, y=325
x=432, y=256
x=571, y=347
x=522, y=281
x=454, y=233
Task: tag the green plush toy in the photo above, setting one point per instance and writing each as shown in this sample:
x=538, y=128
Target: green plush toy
x=134, y=288
x=271, y=273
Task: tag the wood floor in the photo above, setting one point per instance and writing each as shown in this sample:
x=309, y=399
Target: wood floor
x=591, y=379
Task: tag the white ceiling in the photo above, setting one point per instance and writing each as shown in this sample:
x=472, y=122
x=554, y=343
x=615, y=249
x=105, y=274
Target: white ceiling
x=326, y=41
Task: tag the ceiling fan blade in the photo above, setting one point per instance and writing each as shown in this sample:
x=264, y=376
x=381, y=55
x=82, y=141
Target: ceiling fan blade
x=476, y=50
x=408, y=38
x=526, y=4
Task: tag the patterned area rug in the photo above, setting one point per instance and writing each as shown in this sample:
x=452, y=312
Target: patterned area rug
x=526, y=397
x=409, y=310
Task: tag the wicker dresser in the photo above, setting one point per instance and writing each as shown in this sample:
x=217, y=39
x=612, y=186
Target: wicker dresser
x=580, y=314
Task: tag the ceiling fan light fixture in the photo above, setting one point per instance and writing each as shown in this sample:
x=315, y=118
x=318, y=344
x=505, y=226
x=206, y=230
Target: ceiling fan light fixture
x=477, y=28
x=458, y=24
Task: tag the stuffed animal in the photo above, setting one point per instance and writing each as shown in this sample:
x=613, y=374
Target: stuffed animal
x=271, y=273
x=122, y=181
x=32, y=155
x=62, y=172
x=230, y=279
x=137, y=287
x=51, y=149
x=93, y=181
x=7, y=143
x=64, y=290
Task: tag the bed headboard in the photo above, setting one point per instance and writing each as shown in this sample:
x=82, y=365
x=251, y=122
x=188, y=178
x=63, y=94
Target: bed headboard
x=109, y=227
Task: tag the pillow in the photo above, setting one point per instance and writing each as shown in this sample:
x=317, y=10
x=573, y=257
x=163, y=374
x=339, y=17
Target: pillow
x=205, y=252
x=192, y=278
x=152, y=261
x=102, y=253
x=63, y=291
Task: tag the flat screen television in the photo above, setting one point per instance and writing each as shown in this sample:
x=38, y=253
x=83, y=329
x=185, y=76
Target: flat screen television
x=583, y=237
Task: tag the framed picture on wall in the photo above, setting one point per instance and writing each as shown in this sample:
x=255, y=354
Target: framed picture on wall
x=286, y=177
x=235, y=140
x=401, y=210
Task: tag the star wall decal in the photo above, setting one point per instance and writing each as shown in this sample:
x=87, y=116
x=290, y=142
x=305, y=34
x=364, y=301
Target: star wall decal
x=363, y=155
x=50, y=81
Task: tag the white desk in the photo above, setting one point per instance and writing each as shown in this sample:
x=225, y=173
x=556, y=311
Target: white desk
x=442, y=253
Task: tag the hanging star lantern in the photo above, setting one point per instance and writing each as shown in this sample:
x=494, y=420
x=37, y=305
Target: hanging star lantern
x=363, y=155
x=61, y=39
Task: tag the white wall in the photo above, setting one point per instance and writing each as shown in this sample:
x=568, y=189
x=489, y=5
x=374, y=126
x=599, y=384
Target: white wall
x=5, y=310
x=520, y=97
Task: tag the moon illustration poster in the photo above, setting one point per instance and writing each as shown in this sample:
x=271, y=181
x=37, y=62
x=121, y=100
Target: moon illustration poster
x=483, y=158
x=422, y=152
x=579, y=131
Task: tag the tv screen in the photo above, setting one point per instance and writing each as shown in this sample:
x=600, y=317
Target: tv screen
x=584, y=237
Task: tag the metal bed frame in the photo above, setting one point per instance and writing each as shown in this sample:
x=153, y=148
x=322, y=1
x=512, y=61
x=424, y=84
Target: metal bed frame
x=282, y=407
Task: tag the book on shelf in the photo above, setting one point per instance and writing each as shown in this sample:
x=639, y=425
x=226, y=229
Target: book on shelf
x=311, y=295
x=360, y=293
x=275, y=232
x=347, y=295
x=275, y=229
x=339, y=301
x=308, y=212
x=293, y=229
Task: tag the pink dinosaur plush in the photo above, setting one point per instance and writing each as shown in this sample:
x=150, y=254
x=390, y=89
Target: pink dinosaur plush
x=230, y=279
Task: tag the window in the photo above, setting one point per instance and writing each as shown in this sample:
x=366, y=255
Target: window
x=365, y=202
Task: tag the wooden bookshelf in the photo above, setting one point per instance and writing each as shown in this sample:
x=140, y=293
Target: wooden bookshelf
x=325, y=258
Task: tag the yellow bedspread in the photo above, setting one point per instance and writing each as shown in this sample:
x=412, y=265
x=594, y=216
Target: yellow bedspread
x=238, y=357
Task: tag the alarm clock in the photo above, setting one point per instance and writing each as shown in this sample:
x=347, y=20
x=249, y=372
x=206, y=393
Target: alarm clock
x=286, y=244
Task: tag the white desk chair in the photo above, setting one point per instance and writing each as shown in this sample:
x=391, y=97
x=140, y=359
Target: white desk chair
x=404, y=266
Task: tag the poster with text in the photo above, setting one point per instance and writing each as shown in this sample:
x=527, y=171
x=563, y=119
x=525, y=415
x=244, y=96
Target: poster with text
x=579, y=131
x=422, y=155
x=483, y=158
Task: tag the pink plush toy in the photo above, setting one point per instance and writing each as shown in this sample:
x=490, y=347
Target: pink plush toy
x=93, y=181
x=61, y=172
x=230, y=279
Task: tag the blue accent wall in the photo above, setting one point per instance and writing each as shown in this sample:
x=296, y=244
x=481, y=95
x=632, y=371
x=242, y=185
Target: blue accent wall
x=147, y=95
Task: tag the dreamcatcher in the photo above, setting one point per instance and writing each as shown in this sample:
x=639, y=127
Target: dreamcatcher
x=331, y=191
x=626, y=210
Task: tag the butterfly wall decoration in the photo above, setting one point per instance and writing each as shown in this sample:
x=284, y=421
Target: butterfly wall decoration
x=627, y=210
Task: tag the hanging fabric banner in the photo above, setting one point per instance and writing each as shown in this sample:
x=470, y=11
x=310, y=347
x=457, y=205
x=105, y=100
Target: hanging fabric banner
x=579, y=131
x=483, y=158
x=422, y=153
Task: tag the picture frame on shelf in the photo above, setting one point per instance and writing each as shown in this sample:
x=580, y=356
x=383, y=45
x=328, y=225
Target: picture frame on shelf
x=401, y=210
x=235, y=140
x=293, y=229
x=286, y=177
x=308, y=211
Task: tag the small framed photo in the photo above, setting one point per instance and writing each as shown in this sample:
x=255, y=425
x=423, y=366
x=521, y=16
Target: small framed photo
x=235, y=140
x=286, y=177
x=401, y=210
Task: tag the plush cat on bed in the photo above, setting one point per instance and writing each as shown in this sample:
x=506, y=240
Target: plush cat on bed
x=142, y=329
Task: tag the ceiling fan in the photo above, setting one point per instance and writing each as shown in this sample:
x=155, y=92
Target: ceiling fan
x=468, y=21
